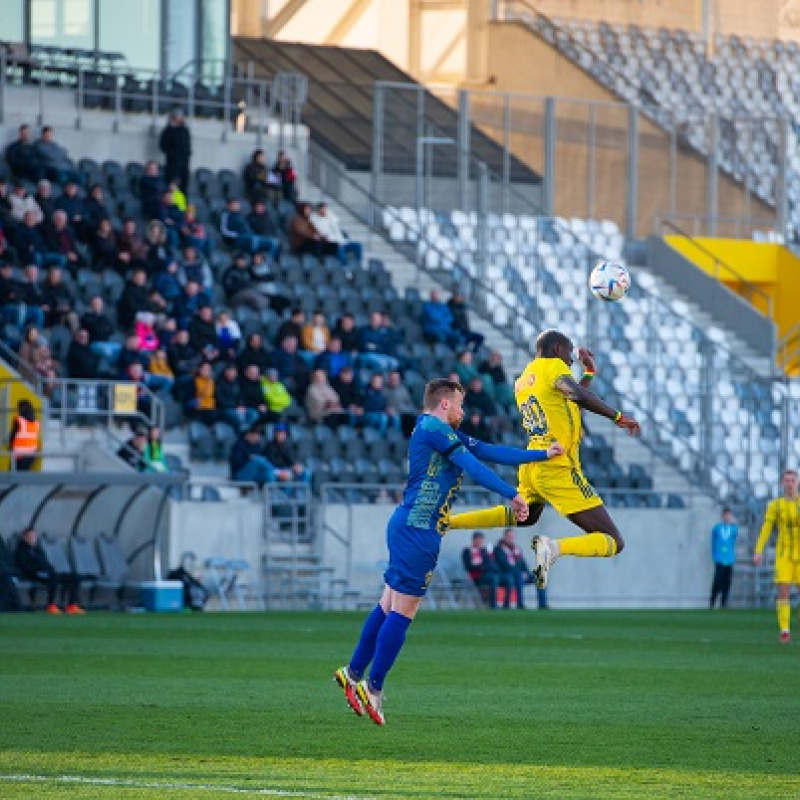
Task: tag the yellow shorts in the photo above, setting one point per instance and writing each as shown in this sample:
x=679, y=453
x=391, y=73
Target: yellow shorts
x=787, y=571
x=564, y=487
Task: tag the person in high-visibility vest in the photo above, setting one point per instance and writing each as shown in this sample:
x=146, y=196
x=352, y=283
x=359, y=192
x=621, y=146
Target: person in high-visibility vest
x=24, y=441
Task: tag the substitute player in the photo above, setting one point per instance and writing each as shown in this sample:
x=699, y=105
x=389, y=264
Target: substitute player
x=438, y=456
x=550, y=400
x=785, y=513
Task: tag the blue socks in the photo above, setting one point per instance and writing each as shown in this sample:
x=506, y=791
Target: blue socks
x=391, y=636
x=365, y=649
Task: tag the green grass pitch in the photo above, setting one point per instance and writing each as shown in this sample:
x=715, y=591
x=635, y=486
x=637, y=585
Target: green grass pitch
x=556, y=704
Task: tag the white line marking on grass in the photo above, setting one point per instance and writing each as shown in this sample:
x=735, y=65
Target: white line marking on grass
x=197, y=787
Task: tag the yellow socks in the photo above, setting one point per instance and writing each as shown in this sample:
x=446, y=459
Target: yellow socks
x=591, y=545
x=497, y=517
x=784, y=612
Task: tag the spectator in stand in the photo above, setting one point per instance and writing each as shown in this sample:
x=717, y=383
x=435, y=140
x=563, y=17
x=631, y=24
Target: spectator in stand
x=502, y=391
x=100, y=327
x=281, y=454
x=146, y=339
x=170, y=215
x=158, y=252
x=481, y=567
x=259, y=183
x=305, y=239
x=31, y=244
x=33, y=565
x=54, y=163
x=237, y=233
x=44, y=199
x=132, y=246
x=474, y=426
x=195, y=268
x=60, y=300
x=71, y=203
x=203, y=333
x=277, y=296
x=136, y=374
x=261, y=223
x=460, y=311
x=105, y=248
x=478, y=399
x=153, y=453
x=252, y=392
x=159, y=370
x=275, y=393
x=316, y=335
x=350, y=394
x=322, y=401
x=178, y=197
x=291, y=367
x=6, y=220
x=151, y=187
x=21, y=156
x=94, y=212
x=82, y=361
x=33, y=294
x=22, y=203
x=190, y=302
x=345, y=330
x=377, y=413
x=229, y=335
x=134, y=298
x=5, y=253
x=327, y=223
x=130, y=354
x=254, y=353
x=514, y=572
x=247, y=461
x=333, y=360
x=193, y=233
x=132, y=452
x=467, y=371
x=203, y=405
x=238, y=283
x=400, y=402
x=61, y=240
x=230, y=405
x=437, y=322
x=176, y=145
x=292, y=326
x=373, y=345
x=184, y=359
x=167, y=282
x=288, y=178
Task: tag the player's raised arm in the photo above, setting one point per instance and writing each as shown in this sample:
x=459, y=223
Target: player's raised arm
x=509, y=456
x=584, y=398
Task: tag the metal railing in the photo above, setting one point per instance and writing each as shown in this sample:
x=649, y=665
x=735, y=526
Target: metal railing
x=239, y=100
x=721, y=270
x=720, y=226
x=788, y=352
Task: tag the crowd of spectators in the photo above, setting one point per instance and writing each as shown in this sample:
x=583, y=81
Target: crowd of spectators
x=163, y=310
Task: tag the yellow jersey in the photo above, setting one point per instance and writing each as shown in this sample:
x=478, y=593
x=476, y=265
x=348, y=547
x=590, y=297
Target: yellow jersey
x=784, y=513
x=547, y=415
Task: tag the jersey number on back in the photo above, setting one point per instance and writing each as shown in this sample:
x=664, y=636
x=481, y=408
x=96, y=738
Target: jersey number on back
x=533, y=417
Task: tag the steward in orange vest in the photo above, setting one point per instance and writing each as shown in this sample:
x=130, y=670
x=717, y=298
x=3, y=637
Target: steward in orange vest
x=24, y=440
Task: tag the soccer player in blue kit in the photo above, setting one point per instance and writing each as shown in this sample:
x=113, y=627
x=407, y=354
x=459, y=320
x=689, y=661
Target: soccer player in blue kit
x=438, y=457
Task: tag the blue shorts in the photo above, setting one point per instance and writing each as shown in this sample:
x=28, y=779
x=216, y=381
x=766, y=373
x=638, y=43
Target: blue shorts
x=413, y=553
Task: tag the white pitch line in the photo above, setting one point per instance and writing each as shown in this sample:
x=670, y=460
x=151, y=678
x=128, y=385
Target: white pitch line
x=198, y=787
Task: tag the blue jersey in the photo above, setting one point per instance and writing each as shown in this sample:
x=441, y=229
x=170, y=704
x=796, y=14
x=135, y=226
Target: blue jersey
x=434, y=477
x=723, y=543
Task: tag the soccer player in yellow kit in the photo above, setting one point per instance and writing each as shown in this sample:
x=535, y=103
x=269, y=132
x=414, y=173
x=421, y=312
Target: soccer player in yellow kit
x=550, y=400
x=785, y=513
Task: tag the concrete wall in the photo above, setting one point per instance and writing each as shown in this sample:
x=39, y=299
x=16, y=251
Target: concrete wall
x=215, y=144
x=666, y=563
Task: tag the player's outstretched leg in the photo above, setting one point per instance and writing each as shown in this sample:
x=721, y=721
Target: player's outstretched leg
x=349, y=685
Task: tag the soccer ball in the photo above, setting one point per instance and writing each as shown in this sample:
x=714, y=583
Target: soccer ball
x=610, y=281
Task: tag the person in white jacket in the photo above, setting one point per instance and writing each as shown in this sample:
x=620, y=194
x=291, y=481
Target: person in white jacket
x=327, y=223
